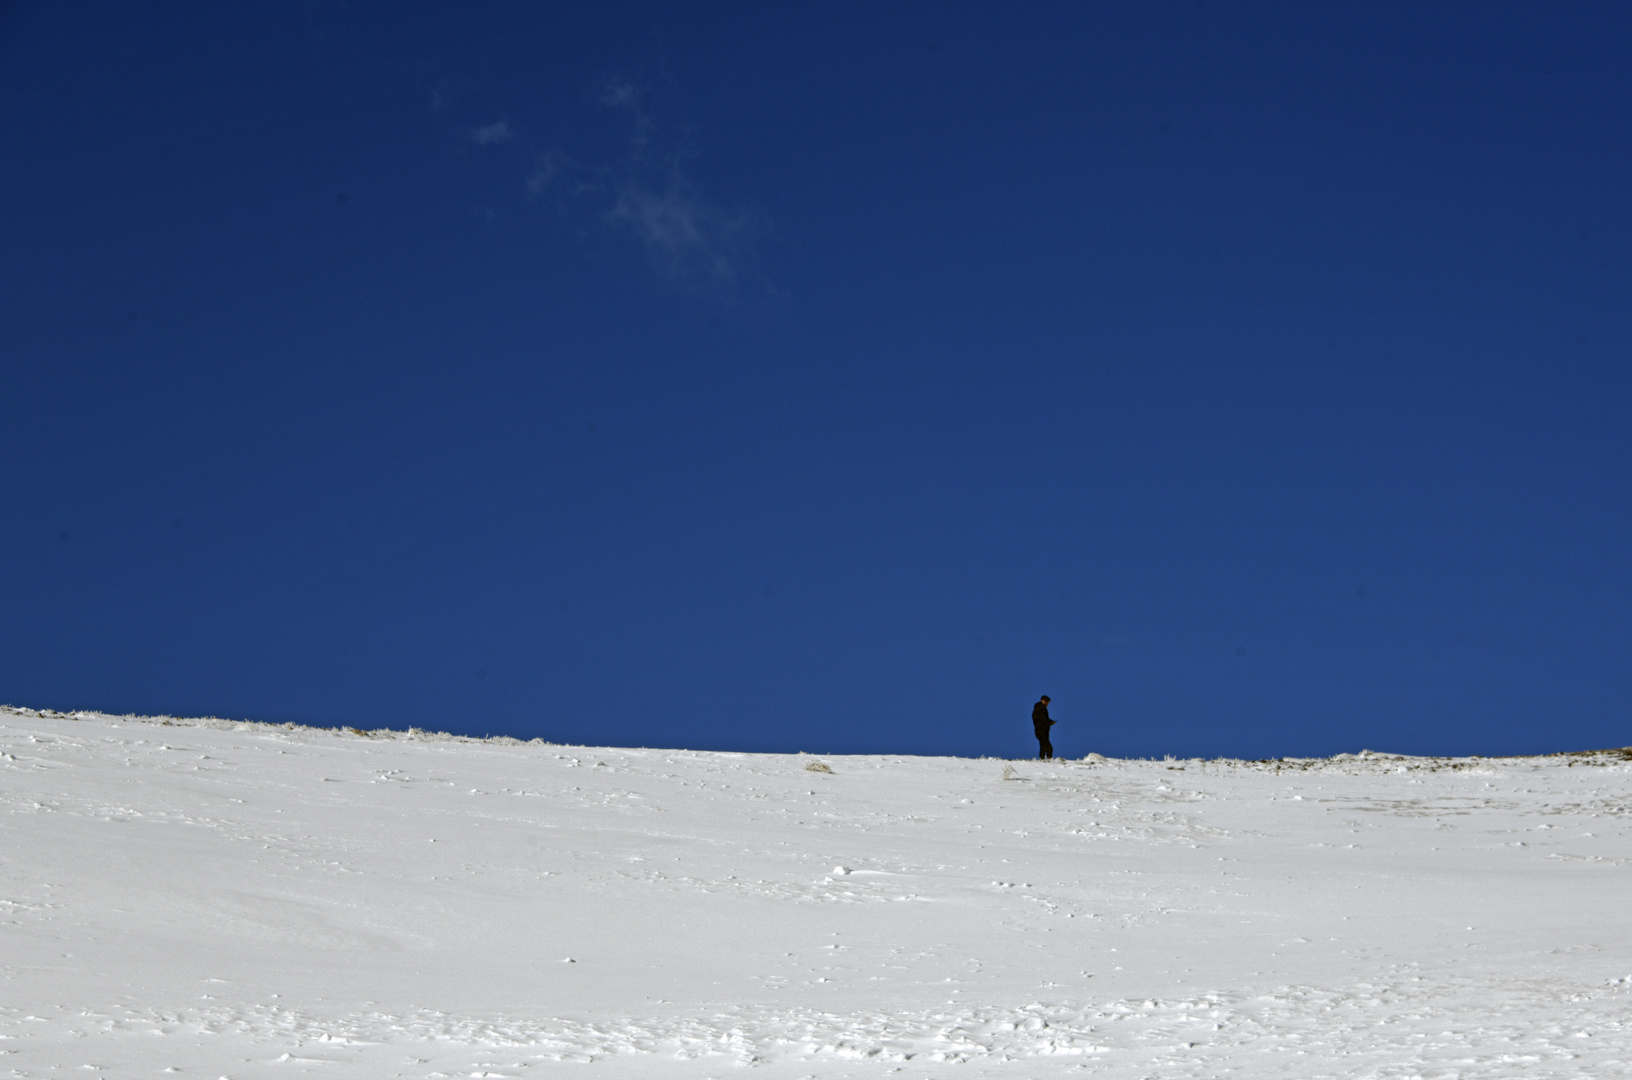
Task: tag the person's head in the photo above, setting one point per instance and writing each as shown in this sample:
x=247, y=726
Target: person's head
x=1045, y=699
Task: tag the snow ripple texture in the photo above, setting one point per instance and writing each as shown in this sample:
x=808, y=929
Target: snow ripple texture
x=224, y=899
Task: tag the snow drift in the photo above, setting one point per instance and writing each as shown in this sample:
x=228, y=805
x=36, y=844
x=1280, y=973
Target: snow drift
x=213, y=898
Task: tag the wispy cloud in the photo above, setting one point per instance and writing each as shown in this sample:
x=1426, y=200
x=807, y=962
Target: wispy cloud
x=550, y=170
x=492, y=134
x=689, y=239
x=686, y=237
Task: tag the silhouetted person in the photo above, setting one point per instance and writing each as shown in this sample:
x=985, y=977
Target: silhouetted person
x=1040, y=723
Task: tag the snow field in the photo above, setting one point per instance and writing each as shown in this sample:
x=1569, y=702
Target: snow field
x=209, y=898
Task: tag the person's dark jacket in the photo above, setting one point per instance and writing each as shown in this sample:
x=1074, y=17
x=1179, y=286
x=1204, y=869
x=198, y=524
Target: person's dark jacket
x=1039, y=719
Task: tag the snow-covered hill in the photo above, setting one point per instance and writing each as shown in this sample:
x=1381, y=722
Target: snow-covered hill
x=210, y=898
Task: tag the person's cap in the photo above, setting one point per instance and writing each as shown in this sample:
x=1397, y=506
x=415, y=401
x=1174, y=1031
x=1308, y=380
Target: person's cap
x=1045, y=697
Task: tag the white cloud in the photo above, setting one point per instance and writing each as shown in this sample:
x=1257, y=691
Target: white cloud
x=623, y=95
x=688, y=239
x=492, y=134
x=547, y=170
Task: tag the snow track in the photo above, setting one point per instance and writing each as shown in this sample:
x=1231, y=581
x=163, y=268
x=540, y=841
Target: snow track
x=210, y=898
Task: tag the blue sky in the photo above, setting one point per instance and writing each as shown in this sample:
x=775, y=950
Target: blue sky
x=1250, y=378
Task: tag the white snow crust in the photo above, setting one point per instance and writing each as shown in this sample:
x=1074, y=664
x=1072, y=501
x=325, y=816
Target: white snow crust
x=210, y=898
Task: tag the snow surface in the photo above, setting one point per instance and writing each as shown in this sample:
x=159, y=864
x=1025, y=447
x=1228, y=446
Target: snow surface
x=219, y=899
